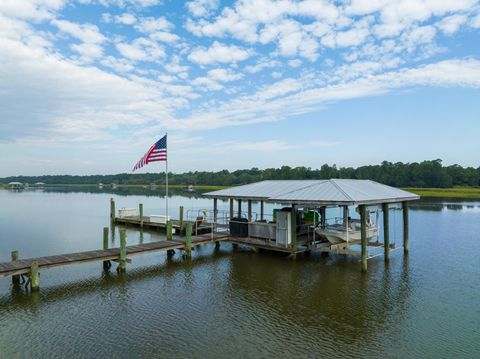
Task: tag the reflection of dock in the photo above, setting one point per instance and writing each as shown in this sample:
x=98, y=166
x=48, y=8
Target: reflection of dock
x=31, y=266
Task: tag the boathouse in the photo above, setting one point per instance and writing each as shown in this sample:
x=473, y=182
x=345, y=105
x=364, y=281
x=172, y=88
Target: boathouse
x=302, y=223
x=16, y=185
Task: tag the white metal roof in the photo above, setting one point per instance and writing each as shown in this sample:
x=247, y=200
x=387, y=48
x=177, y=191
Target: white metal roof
x=334, y=191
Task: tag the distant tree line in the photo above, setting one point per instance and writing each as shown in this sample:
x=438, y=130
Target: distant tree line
x=423, y=174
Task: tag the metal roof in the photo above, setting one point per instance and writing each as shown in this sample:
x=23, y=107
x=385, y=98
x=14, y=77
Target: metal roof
x=334, y=191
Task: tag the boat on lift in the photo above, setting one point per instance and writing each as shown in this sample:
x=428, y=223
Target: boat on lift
x=337, y=233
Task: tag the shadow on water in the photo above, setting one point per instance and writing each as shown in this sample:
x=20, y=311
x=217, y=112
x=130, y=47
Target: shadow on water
x=22, y=298
x=324, y=295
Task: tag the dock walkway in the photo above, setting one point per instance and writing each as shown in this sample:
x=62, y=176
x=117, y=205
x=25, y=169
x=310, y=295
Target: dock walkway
x=23, y=266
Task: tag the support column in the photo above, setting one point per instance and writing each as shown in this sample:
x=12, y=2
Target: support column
x=249, y=210
x=363, y=221
x=231, y=208
x=215, y=211
x=180, y=220
x=34, y=276
x=293, y=229
x=112, y=209
x=122, y=264
x=188, y=240
x=15, y=278
x=106, y=264
x=386, y=231
x=239, y=208
x=323, y=219
x=261, y=210
x=140, y=211
x=169, y=230
x=405, y=227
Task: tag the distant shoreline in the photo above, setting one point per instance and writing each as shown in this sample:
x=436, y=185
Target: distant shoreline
x=453, y=192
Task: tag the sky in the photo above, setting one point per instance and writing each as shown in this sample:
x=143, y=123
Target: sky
x=87, y=86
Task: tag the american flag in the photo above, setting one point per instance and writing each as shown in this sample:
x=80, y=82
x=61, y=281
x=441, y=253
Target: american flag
x=156, y=153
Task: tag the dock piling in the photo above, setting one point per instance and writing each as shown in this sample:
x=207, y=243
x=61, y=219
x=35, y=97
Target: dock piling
x=112, y=210
x=106, y=264
x=122, y=266
x=188, y=240
x=180, y=221
x=386, y=231
x=15, y=278
x=363, y=221
x=34, y=276
x=140, y=211
x=405, y=227
x=231, y=208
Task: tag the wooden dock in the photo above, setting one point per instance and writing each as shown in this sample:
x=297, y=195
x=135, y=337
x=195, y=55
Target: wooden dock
x=24, y=266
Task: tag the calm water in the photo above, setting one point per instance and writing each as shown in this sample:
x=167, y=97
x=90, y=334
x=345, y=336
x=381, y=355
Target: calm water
x=235, y=304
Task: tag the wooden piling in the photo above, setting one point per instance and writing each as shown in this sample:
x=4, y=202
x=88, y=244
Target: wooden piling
x=386, y=231
x=106, y=264
x=34, y=276
x=169, y=230
x=112, y=209
x=249, y=210
x=239, y=208
x=180, y=219
x=231, y=208
x=261, y=211
x=122, y=264
x=140, y=211
x=188, y=240
x=405, y=227
x=363, y=221
x=15, y=278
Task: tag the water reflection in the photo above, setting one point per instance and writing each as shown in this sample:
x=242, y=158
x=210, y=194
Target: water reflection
x=123, y=191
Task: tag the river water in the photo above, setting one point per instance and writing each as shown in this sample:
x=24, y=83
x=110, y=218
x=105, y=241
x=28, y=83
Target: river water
x=229, y=303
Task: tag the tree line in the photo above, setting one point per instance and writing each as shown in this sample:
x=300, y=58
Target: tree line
x=423, y=174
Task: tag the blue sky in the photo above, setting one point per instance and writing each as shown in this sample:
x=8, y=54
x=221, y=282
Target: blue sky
x=87, y=86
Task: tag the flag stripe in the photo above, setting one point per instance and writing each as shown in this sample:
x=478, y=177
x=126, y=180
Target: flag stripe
x=156, y=153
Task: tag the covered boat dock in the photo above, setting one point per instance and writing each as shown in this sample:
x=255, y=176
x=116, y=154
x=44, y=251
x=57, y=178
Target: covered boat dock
x=300, y=224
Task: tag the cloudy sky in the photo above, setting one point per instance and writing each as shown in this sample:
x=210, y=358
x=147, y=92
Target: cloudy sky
x=87, y=86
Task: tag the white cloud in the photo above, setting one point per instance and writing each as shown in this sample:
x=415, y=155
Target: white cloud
x=119, y=65
x=88, y=33
x=164, y=36
x=124, y=19
x=88, y=51
x=71, y=102
x=219, y=53
x=37, y=10
x=151, y=24
x=200, y=8
x=224, y=75
x=291, y=97
x=450, y=24
x=262, y=64
x=141, y=49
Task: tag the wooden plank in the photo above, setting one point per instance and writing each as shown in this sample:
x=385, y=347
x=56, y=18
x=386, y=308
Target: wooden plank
x=24, y=265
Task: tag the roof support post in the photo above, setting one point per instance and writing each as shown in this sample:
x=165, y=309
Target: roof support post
x=239, y=208
x=249, y=210
x=405, y=227
x=215, y=211
x=261, y=210
x=293, y=233
x=231, y=208
x=323, y=219
x=363, y=222
x=386, y=231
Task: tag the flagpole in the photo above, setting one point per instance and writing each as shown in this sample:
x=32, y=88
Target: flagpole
x=166, y=178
